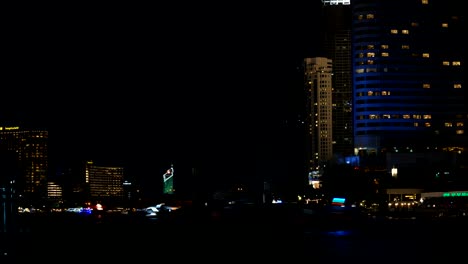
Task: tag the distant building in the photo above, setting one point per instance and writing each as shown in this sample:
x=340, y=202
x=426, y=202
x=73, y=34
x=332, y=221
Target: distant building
x=28, y=150
x=318, y=87
x=54, y=191
x=105, y=184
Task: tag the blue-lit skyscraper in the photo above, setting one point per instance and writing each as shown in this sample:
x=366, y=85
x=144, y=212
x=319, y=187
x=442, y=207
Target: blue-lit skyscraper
x=408, y=76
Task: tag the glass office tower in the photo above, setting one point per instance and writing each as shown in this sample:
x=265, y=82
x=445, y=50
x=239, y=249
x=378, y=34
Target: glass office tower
x=337, y=47
x=408, y=76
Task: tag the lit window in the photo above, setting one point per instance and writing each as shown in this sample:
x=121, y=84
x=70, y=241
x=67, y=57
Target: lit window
x=425, y=2
x=386, y=116
x=405, y=47
x=359, y=70
x=460, y=132
x=459, y=124
x=416, y=124
x=456, y=63
x=370, y=62
x=427, y=116
x=384, y=54
x=406, y=116
x=448, y=124
x=427, y=124
x=370, y=46
x=425, y=55
x=457, y=86
x=370, y=54
x=374, y=117
x=370, y=93
x=446, y=63
x=405, y=31
x=445, y=25
x=360, y=17
x=414, y=24
x=384, y=92
x=394, y=31
x=370, y=16
x=384, y=46
x=426, y=85
x=417, y=116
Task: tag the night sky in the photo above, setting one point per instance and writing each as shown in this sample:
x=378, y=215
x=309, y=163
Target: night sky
x=143, y=86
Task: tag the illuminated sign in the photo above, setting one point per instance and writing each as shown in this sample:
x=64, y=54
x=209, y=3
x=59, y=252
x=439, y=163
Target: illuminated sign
x=336, y=2
x=338, y=201
x=10, y=128
x=168, y=178
x=455, y=194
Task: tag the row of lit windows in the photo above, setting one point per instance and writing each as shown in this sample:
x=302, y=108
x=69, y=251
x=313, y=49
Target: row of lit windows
x=387, y=93
x=371, y=16
x=397, y=116
x=444, y=63
x=406, y=31
x=403, y=31
x=382, y=46
x=381, y=93
x=386, y=54
x=426, y=124
x=455, y=85
x=450, y=124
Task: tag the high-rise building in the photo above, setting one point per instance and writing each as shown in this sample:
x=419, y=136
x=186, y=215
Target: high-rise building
x=318, y=87
x=105, y=183
x=336, y=45
x=408, y=76
x=28, y=149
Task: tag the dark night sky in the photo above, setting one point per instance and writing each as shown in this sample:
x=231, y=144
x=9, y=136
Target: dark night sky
x=144, y=86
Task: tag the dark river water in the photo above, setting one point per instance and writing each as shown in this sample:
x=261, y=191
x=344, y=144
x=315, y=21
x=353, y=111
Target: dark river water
x=117, y=238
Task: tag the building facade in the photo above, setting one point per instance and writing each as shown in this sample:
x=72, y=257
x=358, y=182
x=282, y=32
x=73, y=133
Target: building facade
x=337, y=47
x=408, y=77
x=105, y=184
x=318, y=87
x=27, y=149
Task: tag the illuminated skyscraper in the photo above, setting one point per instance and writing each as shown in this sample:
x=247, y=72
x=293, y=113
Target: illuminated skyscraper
x=28, y=148
x=408, y=76
x=105, y=183
x=318, y=84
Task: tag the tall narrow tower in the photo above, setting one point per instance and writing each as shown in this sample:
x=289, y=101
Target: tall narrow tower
x=337, y=47
x=318, y=87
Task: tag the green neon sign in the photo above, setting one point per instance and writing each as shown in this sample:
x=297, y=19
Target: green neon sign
x=455, y=194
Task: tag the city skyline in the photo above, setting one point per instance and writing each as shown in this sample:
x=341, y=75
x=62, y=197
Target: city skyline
x=142, y=87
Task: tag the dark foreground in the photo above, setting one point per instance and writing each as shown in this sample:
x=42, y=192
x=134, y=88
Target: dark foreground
x=279, y=236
